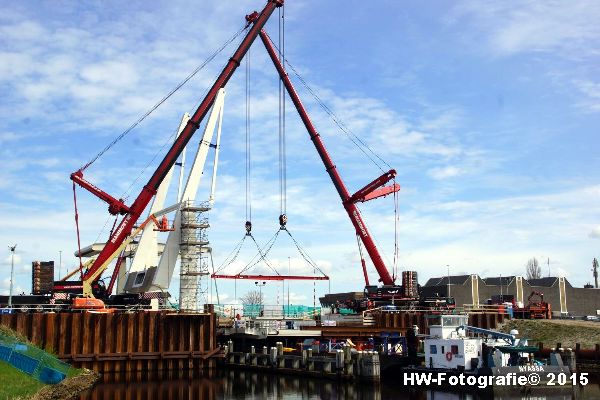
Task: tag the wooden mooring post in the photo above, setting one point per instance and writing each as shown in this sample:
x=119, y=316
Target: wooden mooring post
x=122, y=342
x=344, y=365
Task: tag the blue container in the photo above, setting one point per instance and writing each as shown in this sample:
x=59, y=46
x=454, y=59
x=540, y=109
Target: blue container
x=51, y=376
x=5, y=353
x=23, y=362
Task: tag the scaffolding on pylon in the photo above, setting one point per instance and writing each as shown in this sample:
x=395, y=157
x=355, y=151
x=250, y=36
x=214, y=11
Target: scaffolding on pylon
x=195, y=253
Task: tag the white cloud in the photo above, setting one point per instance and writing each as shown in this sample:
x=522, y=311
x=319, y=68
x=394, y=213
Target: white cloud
x=9, y=258
x=534, y=26
x=6, y=137
x=444, y=172
x=595, y=233
x=5, y=287
x=560, y=38
x=591, y=91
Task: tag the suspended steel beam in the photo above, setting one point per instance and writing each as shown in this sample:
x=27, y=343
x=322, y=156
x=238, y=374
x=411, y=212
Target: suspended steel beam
x=272, y=277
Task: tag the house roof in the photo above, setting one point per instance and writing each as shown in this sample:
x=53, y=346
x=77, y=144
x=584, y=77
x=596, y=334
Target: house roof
x=498, y=280
x=547, y=281
x=454, y=280
x=492, y=281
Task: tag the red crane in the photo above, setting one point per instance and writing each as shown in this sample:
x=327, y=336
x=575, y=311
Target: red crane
x=371, y=191
x=132, y=213
x=376, y=188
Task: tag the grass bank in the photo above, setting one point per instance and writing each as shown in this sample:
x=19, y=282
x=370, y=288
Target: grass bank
x=16, y=384
x=550, y=332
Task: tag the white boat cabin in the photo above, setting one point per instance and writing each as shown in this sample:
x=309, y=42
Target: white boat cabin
x=447, y=346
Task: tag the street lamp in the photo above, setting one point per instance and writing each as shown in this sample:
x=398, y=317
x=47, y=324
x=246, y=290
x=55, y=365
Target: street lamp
x=260, y=298
x=59, y=264
x=12, y=273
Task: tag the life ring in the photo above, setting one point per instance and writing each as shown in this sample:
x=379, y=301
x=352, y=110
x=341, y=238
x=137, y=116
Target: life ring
x=449, y=356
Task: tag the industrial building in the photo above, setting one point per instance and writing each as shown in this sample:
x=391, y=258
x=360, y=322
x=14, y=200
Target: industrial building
x=565, y=299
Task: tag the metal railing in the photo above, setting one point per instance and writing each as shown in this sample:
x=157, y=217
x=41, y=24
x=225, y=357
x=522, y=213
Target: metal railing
x=486, y=308
x=256, y=311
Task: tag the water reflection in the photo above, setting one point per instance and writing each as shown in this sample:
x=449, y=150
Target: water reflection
x=243, y=385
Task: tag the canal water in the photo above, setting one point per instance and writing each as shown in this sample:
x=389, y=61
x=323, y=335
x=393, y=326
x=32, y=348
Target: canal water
x=243, y=385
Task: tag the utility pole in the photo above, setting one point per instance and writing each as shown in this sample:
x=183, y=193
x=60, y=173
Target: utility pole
x=595, y=271
x=12, y=273
x=448, y=267
x=59, y=264
x=548, y=267
x=289, y=268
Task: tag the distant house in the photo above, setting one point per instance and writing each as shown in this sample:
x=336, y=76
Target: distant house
x=472, y=289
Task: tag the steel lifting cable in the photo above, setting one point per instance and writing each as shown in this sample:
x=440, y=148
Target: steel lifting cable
x=164, y=99
x=262, y=254
x=103, y=227
x=396, y=222
x=235, y=252
x=283, y=112
x=230, y=259
x=355, y=139
x=169, y=140
x=304, y=254
x=282, y=140
x=77, y=228
x=214, y=279
x=267, y=249
x=248, y=148
x=125, y=194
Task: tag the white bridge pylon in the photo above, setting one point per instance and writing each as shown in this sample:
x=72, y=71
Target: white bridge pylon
x=145, y=273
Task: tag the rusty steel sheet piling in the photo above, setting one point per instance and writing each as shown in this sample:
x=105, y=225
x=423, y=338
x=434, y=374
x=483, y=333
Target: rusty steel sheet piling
x=123, y=342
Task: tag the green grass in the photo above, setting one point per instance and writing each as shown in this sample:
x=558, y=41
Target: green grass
x=15, y=384
x=10, y=333
x=551, y=332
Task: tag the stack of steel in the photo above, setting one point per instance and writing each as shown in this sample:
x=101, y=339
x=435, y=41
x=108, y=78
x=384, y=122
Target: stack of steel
x=42, y=277
x=410, y=284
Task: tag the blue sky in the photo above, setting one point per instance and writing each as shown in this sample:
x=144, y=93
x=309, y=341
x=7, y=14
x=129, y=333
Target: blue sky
x=487, y=110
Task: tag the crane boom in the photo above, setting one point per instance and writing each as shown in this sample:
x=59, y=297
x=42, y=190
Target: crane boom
x=347, y=200
x=133, y=213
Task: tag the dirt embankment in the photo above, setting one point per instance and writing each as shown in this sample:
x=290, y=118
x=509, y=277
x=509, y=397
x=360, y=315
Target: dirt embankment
x=70, y=388
x=551, y=332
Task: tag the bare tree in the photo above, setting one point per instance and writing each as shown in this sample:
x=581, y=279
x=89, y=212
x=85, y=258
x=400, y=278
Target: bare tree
x=534, y=271
x=253, y=297
x=595, y=271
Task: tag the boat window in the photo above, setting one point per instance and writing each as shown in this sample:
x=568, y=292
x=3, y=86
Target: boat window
x=454, y=349
x=433, y=349
x=442, y=349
